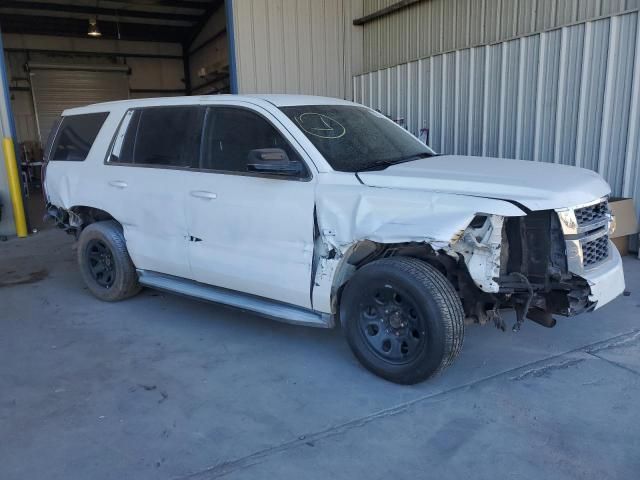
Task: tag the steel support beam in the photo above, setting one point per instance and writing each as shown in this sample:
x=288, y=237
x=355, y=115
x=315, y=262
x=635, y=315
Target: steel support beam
x=92, y=54
x=394, y=7
x=91, y=10
x=77, y=27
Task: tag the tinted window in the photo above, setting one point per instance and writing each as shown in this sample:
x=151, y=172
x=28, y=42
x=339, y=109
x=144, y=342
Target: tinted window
x=353, y=138
x=231, y=133
x=163, y=136
x=76, y=136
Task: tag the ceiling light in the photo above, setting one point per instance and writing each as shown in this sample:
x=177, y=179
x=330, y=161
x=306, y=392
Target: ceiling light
x=94, y=31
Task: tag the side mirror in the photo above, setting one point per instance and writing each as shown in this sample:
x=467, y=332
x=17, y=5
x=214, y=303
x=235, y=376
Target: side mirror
x=273, y=161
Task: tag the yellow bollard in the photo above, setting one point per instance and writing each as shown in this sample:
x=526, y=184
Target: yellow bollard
x=14, y=186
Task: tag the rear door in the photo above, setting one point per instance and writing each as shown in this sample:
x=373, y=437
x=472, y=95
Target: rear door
x=252, y=232
x=147, y=169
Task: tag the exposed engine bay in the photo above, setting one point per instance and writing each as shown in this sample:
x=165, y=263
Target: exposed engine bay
x=527, y=263
x=529, y=270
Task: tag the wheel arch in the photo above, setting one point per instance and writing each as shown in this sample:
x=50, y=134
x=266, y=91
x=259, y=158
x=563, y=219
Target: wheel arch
x=74, y=219
x=363, y=252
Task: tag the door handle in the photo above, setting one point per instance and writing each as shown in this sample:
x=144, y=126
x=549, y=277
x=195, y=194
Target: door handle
x=204, y=194
x=118, y=184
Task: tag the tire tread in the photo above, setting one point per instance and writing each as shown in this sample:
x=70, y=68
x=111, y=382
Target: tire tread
x=445, y=300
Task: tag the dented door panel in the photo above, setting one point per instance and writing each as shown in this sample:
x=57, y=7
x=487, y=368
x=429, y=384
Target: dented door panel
x=150, y=209
x=256, y=236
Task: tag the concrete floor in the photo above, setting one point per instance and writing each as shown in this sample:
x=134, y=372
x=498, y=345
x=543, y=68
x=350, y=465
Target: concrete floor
x=163, y=387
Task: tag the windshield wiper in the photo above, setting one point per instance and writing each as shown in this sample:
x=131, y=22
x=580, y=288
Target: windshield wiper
x=416, y=157
x=382, y=164
x=379, y=165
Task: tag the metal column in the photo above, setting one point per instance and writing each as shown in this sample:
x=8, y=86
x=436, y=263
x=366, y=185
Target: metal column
x=10, y=210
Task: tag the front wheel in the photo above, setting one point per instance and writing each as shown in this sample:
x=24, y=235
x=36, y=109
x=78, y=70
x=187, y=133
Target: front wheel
x=403, y=319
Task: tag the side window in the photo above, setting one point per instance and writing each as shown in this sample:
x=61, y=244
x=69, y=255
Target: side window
x=159, y=136
x=231, y=133
x=76, y=136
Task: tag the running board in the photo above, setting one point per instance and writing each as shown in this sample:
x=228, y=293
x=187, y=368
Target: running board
x=262, y=306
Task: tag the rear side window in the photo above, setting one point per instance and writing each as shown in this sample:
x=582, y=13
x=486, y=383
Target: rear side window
x=76, y=136
x=159, y=136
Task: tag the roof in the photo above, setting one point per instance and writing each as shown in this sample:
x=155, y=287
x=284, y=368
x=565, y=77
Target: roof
x=279, y=100
x=283, y=100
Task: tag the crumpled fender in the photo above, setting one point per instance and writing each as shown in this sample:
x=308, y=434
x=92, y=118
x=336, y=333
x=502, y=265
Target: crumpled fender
x=348, y=214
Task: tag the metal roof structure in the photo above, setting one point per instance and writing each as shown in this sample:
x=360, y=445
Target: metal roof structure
x=176, y=21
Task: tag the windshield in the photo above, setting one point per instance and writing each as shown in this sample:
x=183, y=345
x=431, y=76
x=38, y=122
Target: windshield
x=353, y=139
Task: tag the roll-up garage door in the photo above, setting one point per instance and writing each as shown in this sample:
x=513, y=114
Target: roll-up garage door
x=58, y=87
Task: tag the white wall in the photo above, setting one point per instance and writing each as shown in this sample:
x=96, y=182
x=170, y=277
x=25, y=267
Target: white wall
x=431, y=27
x=297, y=46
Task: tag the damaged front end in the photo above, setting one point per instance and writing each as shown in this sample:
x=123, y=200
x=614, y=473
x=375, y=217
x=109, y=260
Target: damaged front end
x=530, y=263
x=540, y=263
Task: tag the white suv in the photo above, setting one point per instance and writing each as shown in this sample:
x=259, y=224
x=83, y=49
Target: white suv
x=320, y=211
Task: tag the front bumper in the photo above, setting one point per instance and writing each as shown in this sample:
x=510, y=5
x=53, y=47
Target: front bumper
x=606, y=281
x=590, y=254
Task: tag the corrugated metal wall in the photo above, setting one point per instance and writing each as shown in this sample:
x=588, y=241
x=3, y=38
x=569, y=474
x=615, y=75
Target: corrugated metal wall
x=297, y=46
x=438, y=26
x=569, y=95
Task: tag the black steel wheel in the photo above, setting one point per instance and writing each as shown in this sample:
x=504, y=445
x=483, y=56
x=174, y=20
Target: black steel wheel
x=402, y=318
x=391, y=323
x=101, y=263
x=104, y=262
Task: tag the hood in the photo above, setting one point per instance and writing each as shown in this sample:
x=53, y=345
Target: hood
x=536, y=185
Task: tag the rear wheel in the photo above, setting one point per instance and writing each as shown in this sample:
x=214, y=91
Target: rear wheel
x=104, y=262
x=403, y=319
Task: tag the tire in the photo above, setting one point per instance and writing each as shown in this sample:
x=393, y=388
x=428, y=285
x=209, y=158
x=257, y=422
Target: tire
x=403, y=319
x=105, y=264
